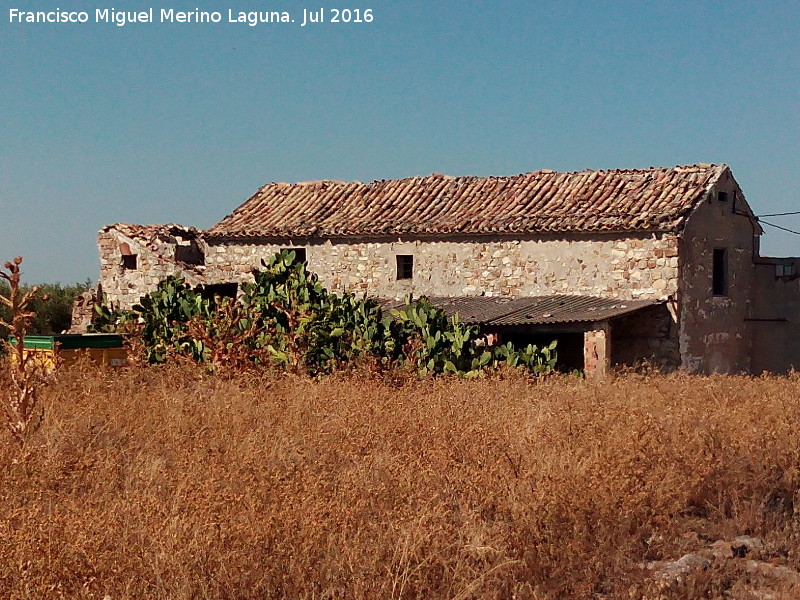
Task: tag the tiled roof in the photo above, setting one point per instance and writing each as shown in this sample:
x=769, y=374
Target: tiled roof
x=533, y=310
x=656, y=199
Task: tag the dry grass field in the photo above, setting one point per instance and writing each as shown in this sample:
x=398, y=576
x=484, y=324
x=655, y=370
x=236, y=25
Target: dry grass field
x=165, y=483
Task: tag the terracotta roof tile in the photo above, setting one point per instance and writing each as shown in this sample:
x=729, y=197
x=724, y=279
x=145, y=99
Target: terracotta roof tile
x=158, y=239
x=145, y=234
x=656, y=199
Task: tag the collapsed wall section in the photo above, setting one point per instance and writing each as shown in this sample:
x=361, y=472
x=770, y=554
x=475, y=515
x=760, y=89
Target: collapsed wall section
x=135, y=258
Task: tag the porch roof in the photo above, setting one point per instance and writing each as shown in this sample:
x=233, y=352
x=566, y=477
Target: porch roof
x=532, y=310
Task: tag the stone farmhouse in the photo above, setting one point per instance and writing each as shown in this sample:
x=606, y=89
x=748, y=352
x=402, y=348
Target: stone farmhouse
x=623, y=266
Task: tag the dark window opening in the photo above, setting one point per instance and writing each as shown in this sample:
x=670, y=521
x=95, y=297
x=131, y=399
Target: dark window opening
x=189, y=254
x=222, y=290
x=129, y=262
x=722, y=196
x=720, y=272
x=299, y=255
x=405, y=266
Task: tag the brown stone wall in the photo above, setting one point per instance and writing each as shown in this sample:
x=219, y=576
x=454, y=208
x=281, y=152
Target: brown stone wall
x=629, y=267
x=714, y=334
x=648, y=335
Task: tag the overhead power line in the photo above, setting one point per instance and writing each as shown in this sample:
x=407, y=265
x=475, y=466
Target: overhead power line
x=779, y=227
x=786, y=214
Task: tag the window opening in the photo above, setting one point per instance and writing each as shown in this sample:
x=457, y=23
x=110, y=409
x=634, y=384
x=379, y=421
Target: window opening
x=299, y=255
x=129, y=262
x=720, y=272
x=189, y=254
x=405, y=266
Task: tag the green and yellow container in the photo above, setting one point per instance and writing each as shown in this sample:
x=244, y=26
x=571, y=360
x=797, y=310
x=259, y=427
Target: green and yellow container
x=106, y=349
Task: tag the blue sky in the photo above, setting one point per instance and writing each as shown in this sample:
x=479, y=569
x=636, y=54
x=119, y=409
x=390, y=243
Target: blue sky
x=156, y=123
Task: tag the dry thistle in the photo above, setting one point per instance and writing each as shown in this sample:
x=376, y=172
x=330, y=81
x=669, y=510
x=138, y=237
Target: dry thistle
x=23, y=415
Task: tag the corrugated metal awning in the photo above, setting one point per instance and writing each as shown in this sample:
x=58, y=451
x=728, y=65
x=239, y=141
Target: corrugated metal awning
x=532, y=310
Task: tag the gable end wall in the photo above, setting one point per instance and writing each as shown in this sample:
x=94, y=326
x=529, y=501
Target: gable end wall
x=715, y=335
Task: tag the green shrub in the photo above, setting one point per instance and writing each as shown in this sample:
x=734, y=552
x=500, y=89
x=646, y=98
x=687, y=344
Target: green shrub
x=306, y=327
x=165, y=314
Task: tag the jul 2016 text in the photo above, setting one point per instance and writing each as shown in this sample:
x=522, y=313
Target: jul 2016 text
x=120, y=18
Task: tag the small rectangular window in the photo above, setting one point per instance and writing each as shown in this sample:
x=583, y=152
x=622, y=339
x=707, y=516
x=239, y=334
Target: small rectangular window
x=299, y=255
x=722, y=196
x=720, y=272
x=405, y=266
x=129, y=262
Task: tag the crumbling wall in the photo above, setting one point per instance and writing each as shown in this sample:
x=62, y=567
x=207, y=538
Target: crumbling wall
x=124, y=286
x=618, y=266
x=83, y=311
x=715, y=336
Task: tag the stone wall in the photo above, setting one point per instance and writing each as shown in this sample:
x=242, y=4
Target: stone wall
x=648, y=335
x=628, y=267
